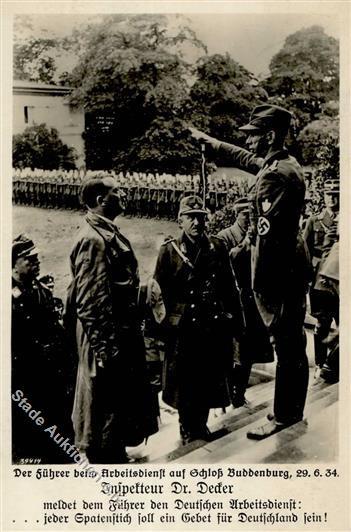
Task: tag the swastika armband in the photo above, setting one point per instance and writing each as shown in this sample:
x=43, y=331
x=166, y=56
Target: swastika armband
x=263, y=226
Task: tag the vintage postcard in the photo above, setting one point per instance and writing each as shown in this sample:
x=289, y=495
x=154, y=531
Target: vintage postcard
x=175, y=251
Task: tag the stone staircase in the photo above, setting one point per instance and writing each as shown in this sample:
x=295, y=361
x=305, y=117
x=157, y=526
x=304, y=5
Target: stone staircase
x=311, y=440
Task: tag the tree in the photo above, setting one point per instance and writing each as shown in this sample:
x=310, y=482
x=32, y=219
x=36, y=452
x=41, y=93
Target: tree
x=33, y=55
x=32, y=60
x=40, y=147
x=134, y=75
x=320, y=146
x=223, y=97
x=304, y=74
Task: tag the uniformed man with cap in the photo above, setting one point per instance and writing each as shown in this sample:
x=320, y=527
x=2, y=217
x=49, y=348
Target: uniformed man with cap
x=40, y=362
x=320, y=234
x=202, y=314
x=279, y=262
x=254, y=345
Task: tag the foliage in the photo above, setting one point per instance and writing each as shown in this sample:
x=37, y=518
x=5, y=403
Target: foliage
x=304, y=74
x=320, y=145
x=132, y=69
x=225, y=217
x=140, y=79
x=33, y=53
x=222, y=219
x=40, y=147
x=320, y=149
x=223, y=97
x=164, y=147
x=32, y=60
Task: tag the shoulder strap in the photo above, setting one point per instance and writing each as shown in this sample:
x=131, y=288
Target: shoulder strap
x=182, y=255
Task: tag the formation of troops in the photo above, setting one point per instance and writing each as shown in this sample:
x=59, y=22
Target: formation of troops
x=147, y=195
x=215, y=305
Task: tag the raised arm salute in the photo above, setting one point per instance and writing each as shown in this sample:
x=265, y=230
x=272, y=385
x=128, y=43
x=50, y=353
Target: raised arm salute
x=279, y=263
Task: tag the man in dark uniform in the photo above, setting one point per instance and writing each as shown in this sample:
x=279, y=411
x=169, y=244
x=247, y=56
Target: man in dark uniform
x=320, y=234
x=279, y=262
x=202, y=313
x=41, y=367
x=254, y=345
x=329, y=281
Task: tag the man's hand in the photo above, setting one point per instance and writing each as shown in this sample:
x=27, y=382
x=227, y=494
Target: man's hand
x=249, y=237
x=198, y=135
x=247, y=241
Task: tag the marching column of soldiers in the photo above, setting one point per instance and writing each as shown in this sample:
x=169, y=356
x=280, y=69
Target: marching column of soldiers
x=215, y=305
x=147, y=195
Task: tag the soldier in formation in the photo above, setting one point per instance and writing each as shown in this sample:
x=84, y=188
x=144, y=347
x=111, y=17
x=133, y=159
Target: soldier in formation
x=147, y=195
x=55, y=189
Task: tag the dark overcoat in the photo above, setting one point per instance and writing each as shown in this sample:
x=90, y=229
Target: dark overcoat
x=202, y=317
x=113, y=402
x=41, y=370
x=254, y=345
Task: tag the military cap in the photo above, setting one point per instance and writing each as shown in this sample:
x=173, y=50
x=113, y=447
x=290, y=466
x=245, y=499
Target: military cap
x=192, y=205
x=267, y=116
x=331, y=186
x=241, y=204
x=23, y=246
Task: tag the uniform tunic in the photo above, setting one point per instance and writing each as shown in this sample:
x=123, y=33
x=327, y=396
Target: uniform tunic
x=42, y=370
x=320, y=234
x=280, y=269
x=202, y=315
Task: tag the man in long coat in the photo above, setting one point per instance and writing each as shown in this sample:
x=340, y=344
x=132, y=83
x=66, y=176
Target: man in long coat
x=279, y=261
x=202, y=314
x=112, y=407
x=254, y=345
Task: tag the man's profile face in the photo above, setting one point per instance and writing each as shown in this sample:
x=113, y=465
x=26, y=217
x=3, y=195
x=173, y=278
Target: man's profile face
x=257, y=143
x=243, y=219
x=193, y=224
x=27, y=268
x=113, y=203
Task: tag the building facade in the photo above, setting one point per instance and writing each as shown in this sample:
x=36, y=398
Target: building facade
x=38, y=103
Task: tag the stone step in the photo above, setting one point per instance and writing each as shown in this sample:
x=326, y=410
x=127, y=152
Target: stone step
x=318, y=444
x=236, y=447
x=166, y=445
x=218, y=425
x=291, y=435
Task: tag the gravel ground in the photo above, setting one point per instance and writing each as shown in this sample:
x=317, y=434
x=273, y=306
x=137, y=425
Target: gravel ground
x=53, y=232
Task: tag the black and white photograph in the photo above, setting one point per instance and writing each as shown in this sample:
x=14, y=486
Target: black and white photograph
x=175, y=224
